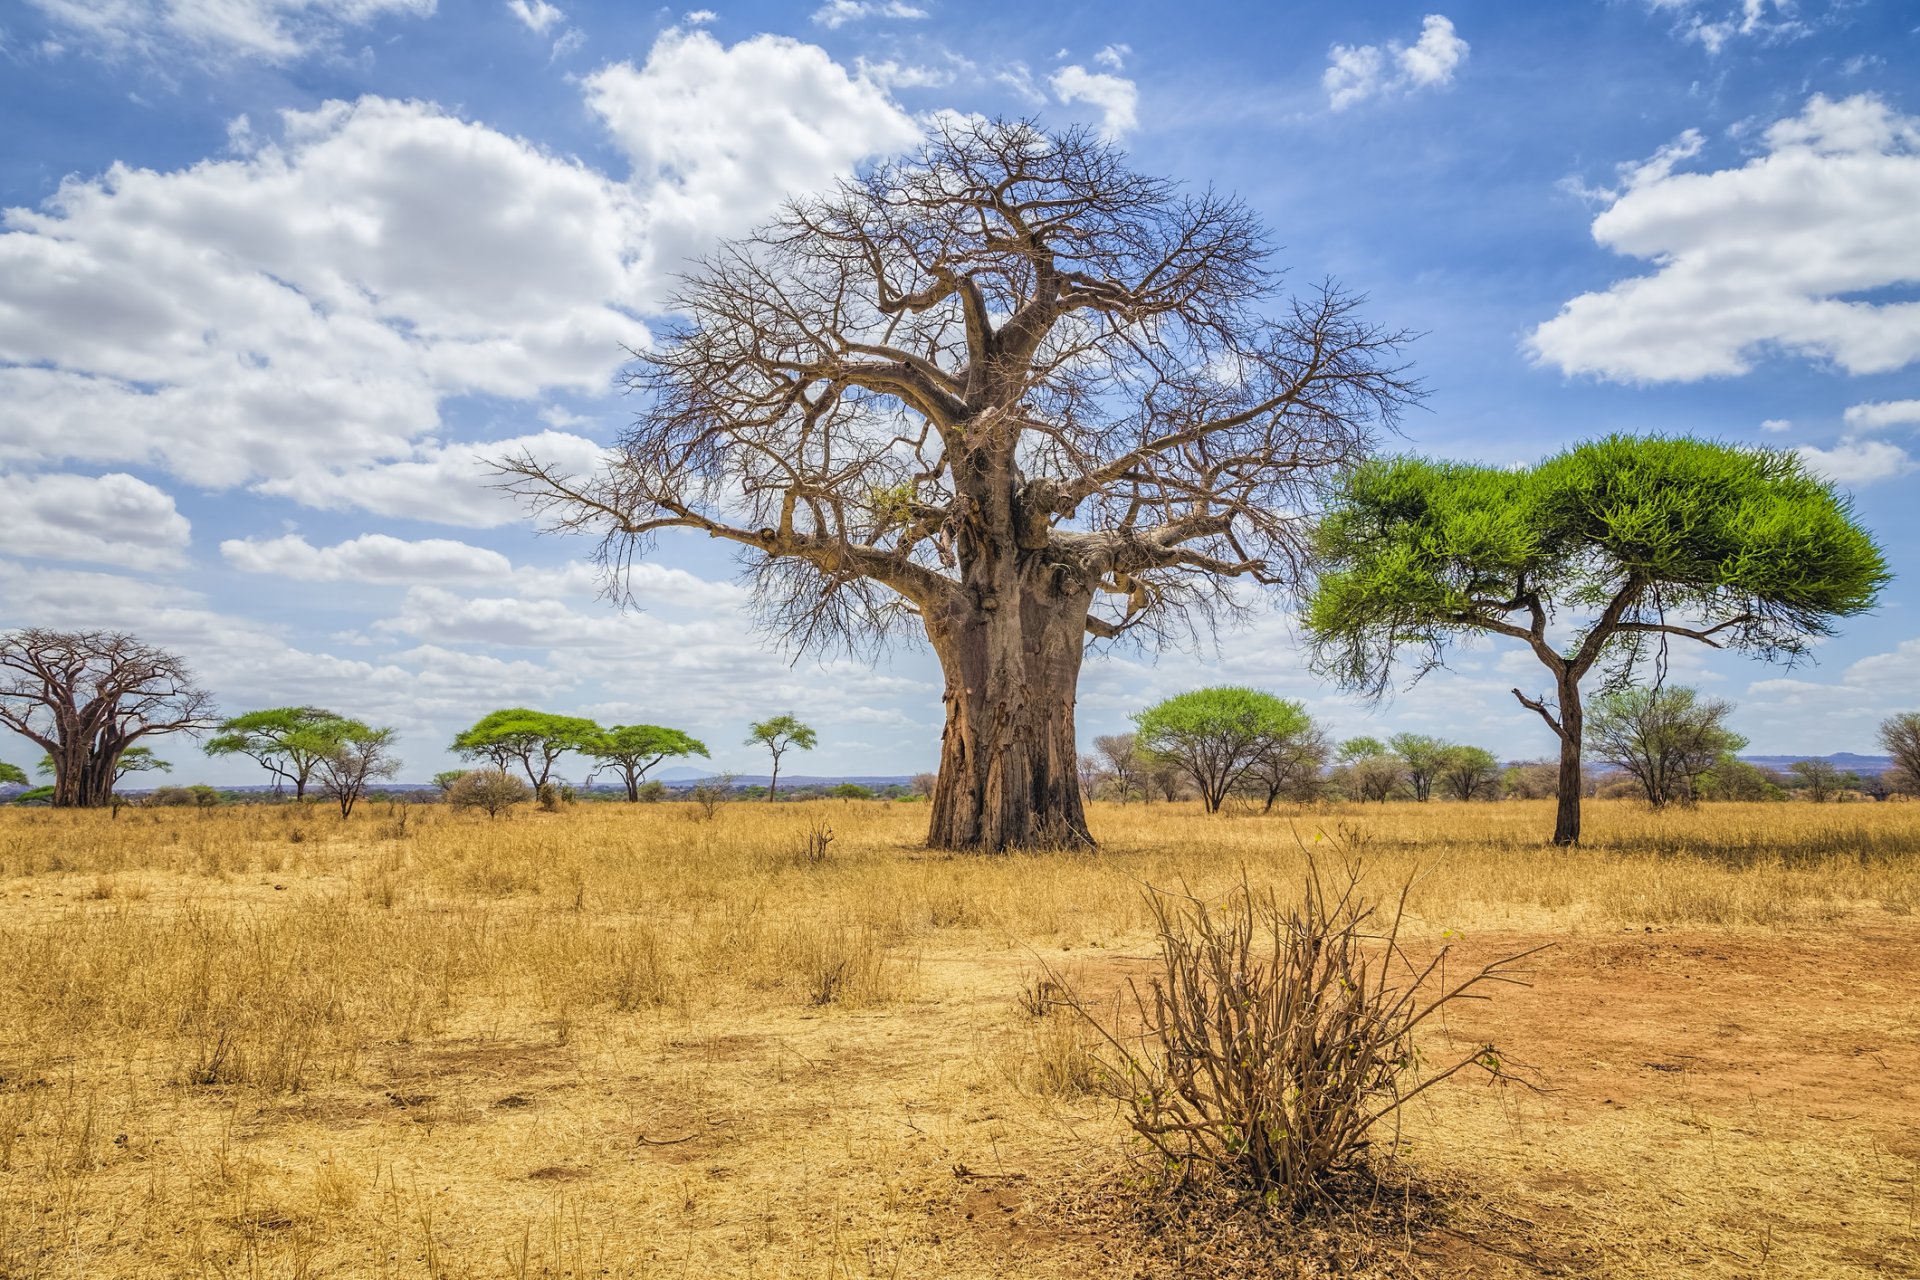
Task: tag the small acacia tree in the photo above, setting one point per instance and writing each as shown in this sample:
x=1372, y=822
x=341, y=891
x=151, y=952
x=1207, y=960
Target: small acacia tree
x=1664, y=738
x=630, y=750
x=88, y=697
x=1290, y=763
x=1632, y=540
x=1215, y=736
x=533, y=740
x=969, y=394
x=1900, y=738
x=779, y=735
x=1467, y=773
x=288, y=742
x=12, y=775
x=360, y=755
x=1422, y=757
x=1822, y=780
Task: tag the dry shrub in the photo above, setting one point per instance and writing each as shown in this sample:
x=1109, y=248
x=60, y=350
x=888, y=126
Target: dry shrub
x=1278, y=1038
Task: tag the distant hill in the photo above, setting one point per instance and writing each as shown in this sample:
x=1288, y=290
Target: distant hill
x=1845, y=761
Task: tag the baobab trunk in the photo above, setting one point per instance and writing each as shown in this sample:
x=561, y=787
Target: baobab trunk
x=1008, y=759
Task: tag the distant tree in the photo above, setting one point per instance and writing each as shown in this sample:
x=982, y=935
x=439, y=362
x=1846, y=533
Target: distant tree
x=1422, y=757
x=493, y=791
x=1822, y=780
x=652, y=791
x=287, y=742
x=1732, y=778
x=1620, y=536
x=629, y=750
x=87, y=697
x=1468, y=772
x=12, y=775
x=1213, y=736
x=1120, y=756
x=1900, y=738
x=446, y=778
x=1664, y=738
x=1162, y=778
x=1376, y=777
x=534, y=740
x=1093, y=774
x=1531, y=780
x=361, y=755
x=851, y=791
x=779, y=735
x=1289, y=760
x=922, y=784
x=1360, y=749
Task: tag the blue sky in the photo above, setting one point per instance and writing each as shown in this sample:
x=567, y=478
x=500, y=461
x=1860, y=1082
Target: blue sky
x=274, y=275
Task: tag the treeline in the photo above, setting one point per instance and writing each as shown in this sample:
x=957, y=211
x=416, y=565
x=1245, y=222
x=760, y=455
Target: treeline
x=1666, y=745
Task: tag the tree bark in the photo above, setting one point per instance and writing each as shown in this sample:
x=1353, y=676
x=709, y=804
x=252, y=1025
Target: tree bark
x=1566, y=821
x=1009, y=774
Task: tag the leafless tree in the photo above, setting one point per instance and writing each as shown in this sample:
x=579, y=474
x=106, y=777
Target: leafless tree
x=361, y=755
x=1290, y=765
x=86, y=697
x=972, y=393
x=1900, y=738
x=1122, y=761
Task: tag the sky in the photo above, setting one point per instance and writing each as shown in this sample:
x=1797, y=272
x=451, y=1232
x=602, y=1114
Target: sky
x=277, y=276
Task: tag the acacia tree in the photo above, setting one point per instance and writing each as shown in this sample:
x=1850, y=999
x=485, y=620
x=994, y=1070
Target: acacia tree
x=534, y=740
x=971, y=393
x=288, y=742
x=1665, y=738
x=629, y=750
x=778, y=735
x=1630, y=540
x=1120, y=756
x=12, y=775
x=1466, y=772
x=360, y=755
x=1900, y=738
x=87, y=697
x=1423, y=758
x=1215, y=736
x=1290, y=760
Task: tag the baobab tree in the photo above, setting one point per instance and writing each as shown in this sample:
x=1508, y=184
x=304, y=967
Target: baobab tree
x=1008, y=393
x=88, y=697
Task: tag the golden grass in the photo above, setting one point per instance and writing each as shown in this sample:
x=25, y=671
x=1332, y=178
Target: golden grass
x=624, y=1041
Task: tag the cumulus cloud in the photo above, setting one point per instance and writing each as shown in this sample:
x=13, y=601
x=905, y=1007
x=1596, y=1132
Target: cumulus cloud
x=1115, y=97
x=719, y=134
x=1776, y=426
x=837, y=13
x=111, y=519
x=372, y=557
x=1881, y=414
x=276, y=31
x=1357, y=72
x=294, y=317
x=537, y=14
x=1773, y=255
x=1859, y=462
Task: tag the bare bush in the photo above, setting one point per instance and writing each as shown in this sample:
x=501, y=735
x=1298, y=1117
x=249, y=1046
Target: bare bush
x=495, y=791
x=1275, y=1039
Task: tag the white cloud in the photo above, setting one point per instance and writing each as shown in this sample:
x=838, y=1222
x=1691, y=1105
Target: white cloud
x=277, y=31
x=1859, y=462
x=892, y=74
x=1719, y=25
x=1115, y=96
x=1879, y=415
x=1795, y=713
x=718, y=135
x=1357, y=72
x=1114, y=56
x=1776, y=426
x=372, y=557
x=112, y=519
x=294, y=318
x=1771, y=255
x=837, y=13
x=537, y=14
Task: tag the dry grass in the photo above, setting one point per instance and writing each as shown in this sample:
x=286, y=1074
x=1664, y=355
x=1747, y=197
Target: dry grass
x=625, y=1041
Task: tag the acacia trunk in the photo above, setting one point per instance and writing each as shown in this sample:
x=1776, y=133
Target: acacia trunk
x=1566, y=821
x=1009, y=775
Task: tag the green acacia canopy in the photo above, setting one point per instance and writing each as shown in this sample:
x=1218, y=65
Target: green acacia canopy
x=1216, y=735
x=533, y=740
x=288, y=742
x=630, y=750
x=12, y=775
x=1629, y=540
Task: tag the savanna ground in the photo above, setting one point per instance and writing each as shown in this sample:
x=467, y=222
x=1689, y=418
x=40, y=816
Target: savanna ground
x=626, y=1041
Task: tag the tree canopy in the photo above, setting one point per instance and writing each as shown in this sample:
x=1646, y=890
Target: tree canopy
x=288, y=742
x=1631, y=541
x=630, y=750
x=1216, y=735
x=13, y=775
x=778, y=734
x=1666, y=738
x=533, y=740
